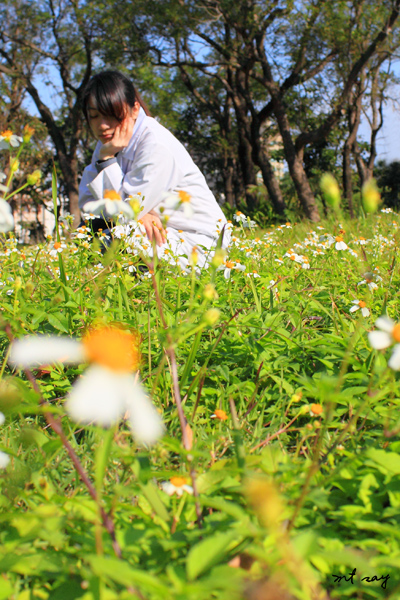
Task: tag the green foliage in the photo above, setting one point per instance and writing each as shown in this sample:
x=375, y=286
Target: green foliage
x=326, y=495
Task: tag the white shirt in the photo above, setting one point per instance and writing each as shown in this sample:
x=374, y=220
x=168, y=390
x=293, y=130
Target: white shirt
x=153, y=164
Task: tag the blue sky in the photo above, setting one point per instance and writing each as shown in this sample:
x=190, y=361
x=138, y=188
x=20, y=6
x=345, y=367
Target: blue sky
x=388, y=142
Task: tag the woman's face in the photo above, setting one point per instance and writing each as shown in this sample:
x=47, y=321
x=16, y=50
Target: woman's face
x=103, y=127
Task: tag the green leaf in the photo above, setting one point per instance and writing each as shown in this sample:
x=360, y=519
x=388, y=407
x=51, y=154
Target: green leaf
x=208, y=553
x=123, y=574
x=389, y=460
x=56, y=323
x=152, y=495
x=6, y=589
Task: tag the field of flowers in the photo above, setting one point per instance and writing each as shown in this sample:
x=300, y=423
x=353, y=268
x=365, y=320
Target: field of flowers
x=257, y=455
x=230, y=432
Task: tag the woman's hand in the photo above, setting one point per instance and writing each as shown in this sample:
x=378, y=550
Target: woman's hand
x=120, y=139
x=154, y=228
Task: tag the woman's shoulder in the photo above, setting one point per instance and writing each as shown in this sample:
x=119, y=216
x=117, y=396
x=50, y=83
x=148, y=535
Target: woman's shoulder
x=153, y=131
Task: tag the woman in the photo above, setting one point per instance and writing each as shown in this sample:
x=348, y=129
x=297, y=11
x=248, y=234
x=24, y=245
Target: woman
x=136, y=155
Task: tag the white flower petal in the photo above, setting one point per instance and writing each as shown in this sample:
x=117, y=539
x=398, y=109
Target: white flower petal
x=168, y=488
x=2, y=418
x=187, y=210
x=6, y=217
x=97, y=397
x=38, y=350
x=379, y=339
x=394, y=361
x=385, y=324
x=113, y=207
x=354, y=308
x=365, y=312
x=145, y=422
x=4, y=459
x=95, y=207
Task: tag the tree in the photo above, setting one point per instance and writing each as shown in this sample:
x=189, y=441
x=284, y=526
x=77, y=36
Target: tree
x=259, y=53
x=41, y=41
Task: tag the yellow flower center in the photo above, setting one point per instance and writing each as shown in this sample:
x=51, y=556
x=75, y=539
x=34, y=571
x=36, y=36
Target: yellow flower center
x=339, y=238
x=229, y=264
x=178, y=481
x=183, y=196
x=6, y=134
x=362, y=304
x=396, y=332
x=316, y=409
x=112, y=347
x=221, y=415
x=111, y=195
x=57, y=245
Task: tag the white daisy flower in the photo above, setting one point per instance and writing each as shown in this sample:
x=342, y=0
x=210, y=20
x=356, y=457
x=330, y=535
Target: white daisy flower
x=111, y=204
x=176, y=485
x=3, y=188
x=4, y=459
x=6, y=217
x=253, y=274
x=108, y=389
x=82, y=233
x=180, y=199
x=360, y=304
x=239, y=217
x=388, y=333
x=88, y=216
x=7, y=139
x=55, y=248
x=228, y=266
x=340, y=244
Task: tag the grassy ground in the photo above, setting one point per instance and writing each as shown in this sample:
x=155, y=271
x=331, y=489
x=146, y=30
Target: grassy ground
x=287, y=440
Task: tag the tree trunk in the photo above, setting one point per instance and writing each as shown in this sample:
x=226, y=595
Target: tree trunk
x=248, y=171
x=295, y=164
x=348, y=178
x=262, y=159
x=294, y=159
x=229, y=188
x=69, y=169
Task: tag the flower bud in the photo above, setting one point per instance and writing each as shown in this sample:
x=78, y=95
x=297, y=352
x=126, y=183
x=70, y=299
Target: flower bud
x=14, y=165
x=135, y=204
x=194, y=257
x=218, y=258
x=211, y=316
x=370, y=195
x=263, y=495
x=330, y=190
x=34, y=178
x=28, y=133
x=210, y=293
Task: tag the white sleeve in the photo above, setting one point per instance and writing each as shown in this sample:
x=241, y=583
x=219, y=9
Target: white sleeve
x=154, y=172
x=96, y=180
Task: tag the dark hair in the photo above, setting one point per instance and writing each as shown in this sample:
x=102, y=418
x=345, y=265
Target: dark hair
x=110, y=92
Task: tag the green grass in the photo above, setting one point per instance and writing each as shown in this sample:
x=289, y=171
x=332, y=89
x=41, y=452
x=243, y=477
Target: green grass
x=286, y=498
